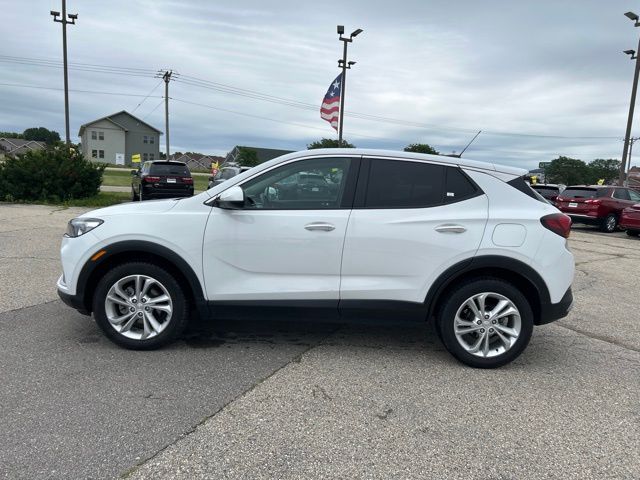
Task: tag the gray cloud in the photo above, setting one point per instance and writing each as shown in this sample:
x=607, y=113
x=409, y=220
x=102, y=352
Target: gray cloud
x=545, y=67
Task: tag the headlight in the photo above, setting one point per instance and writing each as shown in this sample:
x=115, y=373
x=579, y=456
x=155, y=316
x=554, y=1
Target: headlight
x=80, y=226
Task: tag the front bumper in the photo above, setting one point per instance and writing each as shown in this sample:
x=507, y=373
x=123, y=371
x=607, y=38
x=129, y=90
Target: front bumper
x=551, y=312
x=74, y=301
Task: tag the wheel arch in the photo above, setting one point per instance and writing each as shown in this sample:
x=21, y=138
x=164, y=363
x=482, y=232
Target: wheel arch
x=137, y=250
x=525, y=278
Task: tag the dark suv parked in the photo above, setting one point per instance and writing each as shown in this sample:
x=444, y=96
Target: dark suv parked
x=161, y=179
x=596, y=205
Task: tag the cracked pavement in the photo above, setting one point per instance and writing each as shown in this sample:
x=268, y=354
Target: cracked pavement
x=299, y=400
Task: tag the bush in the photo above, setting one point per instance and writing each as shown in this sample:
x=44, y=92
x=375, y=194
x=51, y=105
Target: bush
x=52, y=175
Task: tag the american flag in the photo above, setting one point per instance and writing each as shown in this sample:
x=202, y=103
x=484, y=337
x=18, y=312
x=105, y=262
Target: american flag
x=330, y=109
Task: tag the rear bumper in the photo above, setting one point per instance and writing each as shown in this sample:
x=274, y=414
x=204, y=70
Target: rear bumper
x=551, y=312
x=148, y=193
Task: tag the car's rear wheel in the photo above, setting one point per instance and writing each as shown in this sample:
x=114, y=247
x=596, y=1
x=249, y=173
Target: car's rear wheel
x=633, y=233
x=485, y=323
x=140, y=306
x=609, y=223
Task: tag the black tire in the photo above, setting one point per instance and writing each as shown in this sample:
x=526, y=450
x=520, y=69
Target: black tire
x=447, y=314
x=633, y=233
x=134, y=197
x=179, y=316
x=609, y=223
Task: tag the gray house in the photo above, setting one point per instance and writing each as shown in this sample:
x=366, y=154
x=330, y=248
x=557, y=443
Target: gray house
x=10, y=147
x=115, y=138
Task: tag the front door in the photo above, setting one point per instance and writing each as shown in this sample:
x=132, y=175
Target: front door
x=286, y=243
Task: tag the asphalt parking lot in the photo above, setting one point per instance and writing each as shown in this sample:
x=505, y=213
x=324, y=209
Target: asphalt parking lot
x=300, y=400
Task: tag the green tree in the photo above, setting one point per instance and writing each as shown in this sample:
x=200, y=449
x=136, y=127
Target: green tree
x=41, y=134
x=421, y=148
x=329, y=143
x=247, y=157
x=569, y=171
x=10, y=135
x=600, y=168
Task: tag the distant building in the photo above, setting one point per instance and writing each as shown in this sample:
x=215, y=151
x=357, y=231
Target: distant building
x=114, y=138
x=264, y=154
x=10, y=147
x=633, y=179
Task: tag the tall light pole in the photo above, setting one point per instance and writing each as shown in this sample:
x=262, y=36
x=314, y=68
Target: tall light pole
x=627, y=137
x=64, y=20
x=344, y=65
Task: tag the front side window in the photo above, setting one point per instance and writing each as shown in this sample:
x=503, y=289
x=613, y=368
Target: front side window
x=312, y=184
x=402, y=184
x=634, y=196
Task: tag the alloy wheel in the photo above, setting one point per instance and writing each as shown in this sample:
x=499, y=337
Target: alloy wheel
x=138, y=307
x=487, y=324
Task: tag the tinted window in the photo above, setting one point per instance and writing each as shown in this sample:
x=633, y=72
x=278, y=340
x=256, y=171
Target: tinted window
x=458, y=186
x=169, y=169
x=577, y=192
x=225, y=174
x=547, y=192
x=634, y=196
x=621, y=194
x=399, y=184
x=523, y=186
x=307, y=184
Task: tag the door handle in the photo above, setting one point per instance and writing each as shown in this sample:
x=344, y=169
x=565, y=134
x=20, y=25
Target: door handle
x=450, y=228
x=325, y=227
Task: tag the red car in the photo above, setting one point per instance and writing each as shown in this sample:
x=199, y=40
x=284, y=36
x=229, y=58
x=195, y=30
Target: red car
x=630, y=220
x=596, y=205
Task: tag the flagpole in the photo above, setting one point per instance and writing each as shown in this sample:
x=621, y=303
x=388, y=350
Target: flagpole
x=343, y=85
x=344, y=65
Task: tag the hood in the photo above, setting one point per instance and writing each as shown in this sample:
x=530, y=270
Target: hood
x=134, y=208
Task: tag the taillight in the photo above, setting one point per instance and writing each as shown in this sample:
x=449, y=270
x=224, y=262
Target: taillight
x=559, y=199
x=592, y=201
x=150, y=179
x=188, y=180
x=558, y=223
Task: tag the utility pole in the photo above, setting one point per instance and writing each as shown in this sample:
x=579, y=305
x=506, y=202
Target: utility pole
x=64, y=20
x=344, y=65
x=166, y=76
x=627, y=137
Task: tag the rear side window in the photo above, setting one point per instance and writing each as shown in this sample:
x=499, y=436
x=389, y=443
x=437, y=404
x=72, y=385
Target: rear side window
x=398, y=184
x=168, y=169
x=621, y=194
x=458, y=186
x=521, y=185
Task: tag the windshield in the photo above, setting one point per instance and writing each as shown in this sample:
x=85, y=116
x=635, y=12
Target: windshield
x=169, y=169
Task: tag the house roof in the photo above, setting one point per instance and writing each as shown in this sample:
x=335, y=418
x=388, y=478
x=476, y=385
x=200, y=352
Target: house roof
x=11, y=145
x=108, y=118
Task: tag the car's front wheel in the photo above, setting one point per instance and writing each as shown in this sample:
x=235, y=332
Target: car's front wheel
x=485, y=323
x=140, y=306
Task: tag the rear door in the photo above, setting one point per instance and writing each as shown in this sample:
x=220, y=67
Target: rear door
x=410, y=222
x=622, y=199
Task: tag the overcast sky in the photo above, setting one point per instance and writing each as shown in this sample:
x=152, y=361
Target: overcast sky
x=519, y=71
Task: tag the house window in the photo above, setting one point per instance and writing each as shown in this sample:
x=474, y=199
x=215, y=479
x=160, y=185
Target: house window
x=94, y=153
x=94, y=135
x=145, y=157
x=152, y=156
x=152, y=139
x=100, y=135
x=101, y=153
x=145, y=139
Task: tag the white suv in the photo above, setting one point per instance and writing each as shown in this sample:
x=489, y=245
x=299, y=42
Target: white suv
x=332, y=233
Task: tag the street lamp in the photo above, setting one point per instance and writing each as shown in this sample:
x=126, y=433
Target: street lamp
x=632, y=53
x=71, y=20
x=344, y=65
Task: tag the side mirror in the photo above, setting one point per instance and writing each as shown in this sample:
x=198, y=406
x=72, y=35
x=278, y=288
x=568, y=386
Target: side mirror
x=232, y=198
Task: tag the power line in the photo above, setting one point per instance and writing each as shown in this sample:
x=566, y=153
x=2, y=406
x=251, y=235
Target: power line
x=252, y=94
x=154, y=109
x=42, y=87
x=147, y=96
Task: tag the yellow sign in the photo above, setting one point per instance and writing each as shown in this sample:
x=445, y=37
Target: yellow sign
x=534, y=179
x=601, y=181
x=135, y=158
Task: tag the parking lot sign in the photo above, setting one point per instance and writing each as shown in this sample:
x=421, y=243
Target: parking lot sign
x=135, y=158
x=544, y=164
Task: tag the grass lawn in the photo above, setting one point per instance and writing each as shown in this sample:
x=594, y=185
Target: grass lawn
x=123, y=179
x=103, y=199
